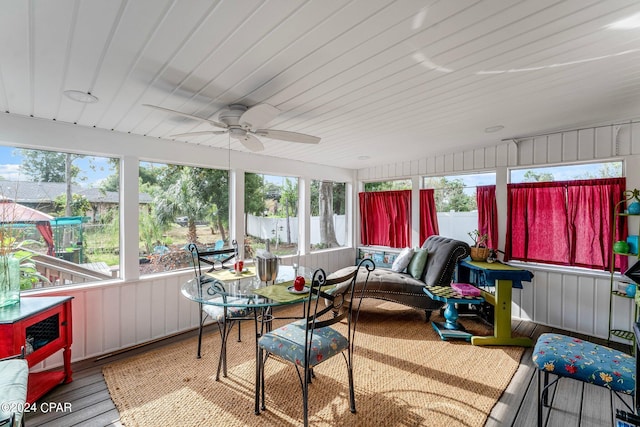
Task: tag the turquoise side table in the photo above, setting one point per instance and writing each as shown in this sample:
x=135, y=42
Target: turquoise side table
x=450, y=328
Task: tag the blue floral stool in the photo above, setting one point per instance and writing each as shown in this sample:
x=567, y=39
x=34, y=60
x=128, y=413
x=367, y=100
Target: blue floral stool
x=583, y=361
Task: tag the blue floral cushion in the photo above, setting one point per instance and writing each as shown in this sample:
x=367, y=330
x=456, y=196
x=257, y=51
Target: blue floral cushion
x=287, y=342
x=217, y=312
x=585, y=361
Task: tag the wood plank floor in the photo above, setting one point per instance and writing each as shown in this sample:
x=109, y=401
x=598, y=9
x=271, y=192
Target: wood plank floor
x=573, y=403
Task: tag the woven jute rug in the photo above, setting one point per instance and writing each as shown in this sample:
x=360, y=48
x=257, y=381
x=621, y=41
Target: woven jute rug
x=405, y=375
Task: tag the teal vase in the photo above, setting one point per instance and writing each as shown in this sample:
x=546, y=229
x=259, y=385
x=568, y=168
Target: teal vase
x=631, y=290
x=634, y=208
x=9, y=280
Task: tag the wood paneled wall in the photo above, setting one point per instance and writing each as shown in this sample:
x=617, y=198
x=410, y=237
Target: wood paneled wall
x=606, y=142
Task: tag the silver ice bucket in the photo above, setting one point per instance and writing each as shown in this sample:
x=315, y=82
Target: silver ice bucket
x=267, y=268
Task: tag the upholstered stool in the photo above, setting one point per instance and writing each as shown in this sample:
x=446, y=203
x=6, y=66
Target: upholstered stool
x=583, y=361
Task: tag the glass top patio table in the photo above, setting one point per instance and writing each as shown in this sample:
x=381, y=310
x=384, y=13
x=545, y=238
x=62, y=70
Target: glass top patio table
x=246, y=290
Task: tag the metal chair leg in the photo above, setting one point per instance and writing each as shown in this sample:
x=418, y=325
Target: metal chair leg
x=263, y=360
x=222, y=361
x=541, y=390
x=200, y=331
x=305, y=398
x=352, y=395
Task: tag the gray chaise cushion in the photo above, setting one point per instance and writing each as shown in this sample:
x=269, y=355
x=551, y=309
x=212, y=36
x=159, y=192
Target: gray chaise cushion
x=388, y=285
x=444, y=254
x=385, y=284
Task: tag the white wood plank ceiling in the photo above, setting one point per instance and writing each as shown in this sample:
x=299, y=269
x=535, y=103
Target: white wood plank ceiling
x=392, y=80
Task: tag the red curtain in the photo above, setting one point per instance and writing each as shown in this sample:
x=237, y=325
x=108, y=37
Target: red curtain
x=591, y=203
x=428, y=214
x=537, y=228
x=47, y=234
x=563, y=222
x=488, y=213
x=385, y=218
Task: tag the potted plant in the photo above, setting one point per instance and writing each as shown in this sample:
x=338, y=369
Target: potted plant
x=479, y=249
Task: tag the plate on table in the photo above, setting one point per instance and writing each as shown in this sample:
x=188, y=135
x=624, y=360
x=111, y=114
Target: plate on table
x=304, y=290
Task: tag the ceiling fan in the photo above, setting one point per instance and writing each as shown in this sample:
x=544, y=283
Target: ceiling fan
x=243, y=123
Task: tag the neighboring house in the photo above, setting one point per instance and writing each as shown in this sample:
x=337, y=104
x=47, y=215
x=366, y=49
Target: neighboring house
x=42, y=196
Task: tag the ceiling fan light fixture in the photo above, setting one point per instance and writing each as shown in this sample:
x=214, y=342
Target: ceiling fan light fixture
x=79, y=96
x=239, y=121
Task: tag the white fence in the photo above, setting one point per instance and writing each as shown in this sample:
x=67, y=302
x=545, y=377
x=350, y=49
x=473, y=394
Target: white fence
x=456, y=225
x=270, y=228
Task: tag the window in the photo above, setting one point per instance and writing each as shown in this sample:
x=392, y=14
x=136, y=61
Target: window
x=61, y=205
x=385, y=214
x=456, y=202
x=563, y=222
x=328, y=215
x=180, y=205
x=271, y=213
x=564, y=190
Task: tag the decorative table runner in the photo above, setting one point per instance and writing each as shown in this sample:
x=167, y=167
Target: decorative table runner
x=279, y=292
x=228, y=275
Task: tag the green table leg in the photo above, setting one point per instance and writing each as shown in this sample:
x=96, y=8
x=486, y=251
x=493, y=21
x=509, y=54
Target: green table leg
x=501, y=302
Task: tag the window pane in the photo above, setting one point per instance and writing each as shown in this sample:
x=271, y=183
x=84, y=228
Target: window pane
x=455, y=197
x=328, y=216
x=271, y=214
x=61, y=205
x=400, y=184
x=567, y=173
x=180, y=205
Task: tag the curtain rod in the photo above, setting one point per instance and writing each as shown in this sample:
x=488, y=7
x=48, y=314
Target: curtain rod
x=516, y=138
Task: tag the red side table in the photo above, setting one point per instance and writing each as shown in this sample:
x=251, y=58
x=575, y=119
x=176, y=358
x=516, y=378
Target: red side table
x=42, y=325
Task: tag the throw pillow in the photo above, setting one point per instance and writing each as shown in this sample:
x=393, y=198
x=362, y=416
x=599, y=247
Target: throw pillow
x=402, y=261
x=417, y=263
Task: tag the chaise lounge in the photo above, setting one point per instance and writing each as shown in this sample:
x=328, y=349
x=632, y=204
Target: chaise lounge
x=400, y=287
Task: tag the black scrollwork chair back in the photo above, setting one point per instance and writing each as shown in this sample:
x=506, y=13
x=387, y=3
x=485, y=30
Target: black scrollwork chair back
x=225, y=317
x=324, y=310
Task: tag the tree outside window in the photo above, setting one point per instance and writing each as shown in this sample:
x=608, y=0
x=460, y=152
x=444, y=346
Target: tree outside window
x=328, y=215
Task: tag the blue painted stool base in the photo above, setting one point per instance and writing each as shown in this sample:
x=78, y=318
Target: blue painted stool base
x=446, y=333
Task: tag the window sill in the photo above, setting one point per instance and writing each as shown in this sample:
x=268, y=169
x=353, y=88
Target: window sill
x=105, y=283
x=341, y=248
x=578, y=271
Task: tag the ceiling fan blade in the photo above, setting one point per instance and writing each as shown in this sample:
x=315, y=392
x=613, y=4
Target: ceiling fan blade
x=258, y=115
x=250, y=141
x=190, y=116
x=288, y=136
x=204, y=132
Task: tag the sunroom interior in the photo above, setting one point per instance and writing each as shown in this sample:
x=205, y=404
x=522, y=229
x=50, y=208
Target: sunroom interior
x=395, y=90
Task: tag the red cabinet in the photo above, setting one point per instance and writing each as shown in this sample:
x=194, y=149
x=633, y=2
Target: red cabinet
x=42, y=325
